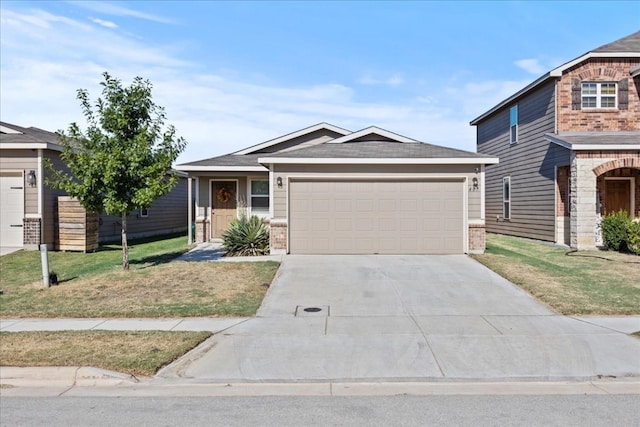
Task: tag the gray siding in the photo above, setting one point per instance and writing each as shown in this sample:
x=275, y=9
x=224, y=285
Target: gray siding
x=168, y=214
x=50, y=201
x=314, y=138
x=530, y=163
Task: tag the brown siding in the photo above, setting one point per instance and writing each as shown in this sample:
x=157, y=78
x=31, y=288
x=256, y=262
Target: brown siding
x=530, y=163
x=599, y=70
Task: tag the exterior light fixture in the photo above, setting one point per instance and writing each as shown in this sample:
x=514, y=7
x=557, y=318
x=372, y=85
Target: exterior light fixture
x=279, y=181
x=474, y=181
x=31, y=178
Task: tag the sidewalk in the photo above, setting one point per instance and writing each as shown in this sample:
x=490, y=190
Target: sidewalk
x=211, y=324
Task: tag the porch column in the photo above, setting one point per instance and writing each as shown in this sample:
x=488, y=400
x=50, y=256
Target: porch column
x=583, y=203
x=190, y=210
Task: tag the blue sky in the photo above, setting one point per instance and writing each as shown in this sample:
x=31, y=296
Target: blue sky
x=234, y=74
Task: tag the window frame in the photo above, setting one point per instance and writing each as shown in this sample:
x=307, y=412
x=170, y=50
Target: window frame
x=264, y=214
x=144, y=213
x=513, y=124
x=506, y=197
x=598, y=95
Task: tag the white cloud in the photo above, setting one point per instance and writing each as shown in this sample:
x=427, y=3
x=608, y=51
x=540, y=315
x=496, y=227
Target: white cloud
x=118, y=10
x=394, y=80
x=106, y=24
x=532, y=66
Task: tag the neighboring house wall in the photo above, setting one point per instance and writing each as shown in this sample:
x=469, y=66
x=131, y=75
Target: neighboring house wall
x=572, y=118
x=530, y=163
x=50, y=198
x=167, y=214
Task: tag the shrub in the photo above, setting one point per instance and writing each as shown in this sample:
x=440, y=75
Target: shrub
x=614, y=230
x=246, y=237
x=633, y=236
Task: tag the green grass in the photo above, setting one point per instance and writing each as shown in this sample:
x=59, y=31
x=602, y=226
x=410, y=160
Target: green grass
x=140, y=353
x=24, y=267
x=94, y=284
x=585, y=282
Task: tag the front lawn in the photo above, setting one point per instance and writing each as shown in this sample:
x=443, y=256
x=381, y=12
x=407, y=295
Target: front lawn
x=584, y=282
x=94, y=285
x=140, y=353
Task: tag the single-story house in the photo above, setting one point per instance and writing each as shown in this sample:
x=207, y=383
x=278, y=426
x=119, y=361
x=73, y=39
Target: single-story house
x=28, y=206
x=327, y=190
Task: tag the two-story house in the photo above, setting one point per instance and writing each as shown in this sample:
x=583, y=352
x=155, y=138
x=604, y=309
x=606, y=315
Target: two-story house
x=569, y=148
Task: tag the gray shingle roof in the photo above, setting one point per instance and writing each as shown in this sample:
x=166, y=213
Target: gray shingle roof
x=29, y=135
x=376, y=150
x=228, y=160
x=572, y=139
x=630, y=43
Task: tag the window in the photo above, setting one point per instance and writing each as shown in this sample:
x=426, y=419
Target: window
x=599, y=95
x=144, y=213
x=513, y=124
x=506, y=197
x=259, y=197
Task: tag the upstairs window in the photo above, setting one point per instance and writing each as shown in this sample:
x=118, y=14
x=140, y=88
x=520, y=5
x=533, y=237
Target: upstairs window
x=144, y=213
x=260, y=197
x=599, y=95
x=513, y=124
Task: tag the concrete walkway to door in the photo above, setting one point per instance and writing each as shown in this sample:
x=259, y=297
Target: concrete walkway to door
x=405, y=318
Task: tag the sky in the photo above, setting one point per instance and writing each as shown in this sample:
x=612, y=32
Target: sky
x=231, y=74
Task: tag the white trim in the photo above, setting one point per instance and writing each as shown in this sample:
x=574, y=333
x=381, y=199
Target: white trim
x=557, y=72
x=506, y=178
x=464, y=179
x=30, y=146
x=293, y=135
x=189, y=210
x=142, y=215
x=271, y=190
x=632, y=190
x=379, y=161
x=221, y=168
x=482, y=193
x=32, y=216
x=372, y=130
x=581, y=147
x=10, y=131
x=249, y=195
x=197, y=202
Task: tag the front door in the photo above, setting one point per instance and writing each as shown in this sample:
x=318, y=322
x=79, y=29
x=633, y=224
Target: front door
x=223, y=206
x=617, y=195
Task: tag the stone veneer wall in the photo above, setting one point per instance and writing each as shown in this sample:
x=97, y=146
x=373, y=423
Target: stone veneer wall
x=477, y=238
x=31, y=232
x=202, y=231
x=584, y=212
x=278, y=236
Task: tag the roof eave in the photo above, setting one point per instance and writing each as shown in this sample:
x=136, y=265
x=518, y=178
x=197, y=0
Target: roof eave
x=379, y=161
x=30, y=146
x=588, y=147
x=194, y=168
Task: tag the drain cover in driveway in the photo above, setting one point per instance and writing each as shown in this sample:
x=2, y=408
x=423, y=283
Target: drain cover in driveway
x=315, y=310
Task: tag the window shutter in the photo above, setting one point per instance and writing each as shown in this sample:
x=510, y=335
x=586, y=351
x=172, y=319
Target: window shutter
x=623, y=94
x=576, y=94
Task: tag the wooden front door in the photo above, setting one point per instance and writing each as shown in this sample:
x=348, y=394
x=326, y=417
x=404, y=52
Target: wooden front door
x=617, y=195
x=223, y=206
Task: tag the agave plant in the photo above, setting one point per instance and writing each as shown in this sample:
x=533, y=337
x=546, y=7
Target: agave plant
x=246, y=237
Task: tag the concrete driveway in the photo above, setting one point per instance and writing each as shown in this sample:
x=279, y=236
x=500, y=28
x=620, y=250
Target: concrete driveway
x=405, y=318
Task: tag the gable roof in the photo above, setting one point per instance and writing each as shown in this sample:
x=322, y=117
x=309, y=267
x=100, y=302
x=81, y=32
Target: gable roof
x=293, y=135
x=626, y=47
x=370, y=134
x=18, y=137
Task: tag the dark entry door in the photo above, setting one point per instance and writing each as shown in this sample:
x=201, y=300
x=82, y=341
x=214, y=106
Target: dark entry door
x=617, y=195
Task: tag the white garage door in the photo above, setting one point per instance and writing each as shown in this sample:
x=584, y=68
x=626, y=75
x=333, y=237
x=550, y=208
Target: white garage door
x=376, y=217
x=11, y=209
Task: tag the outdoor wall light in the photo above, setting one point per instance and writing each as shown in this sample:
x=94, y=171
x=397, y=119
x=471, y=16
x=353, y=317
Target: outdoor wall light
x=474, y=181
x=31, y=178
x=279, y=181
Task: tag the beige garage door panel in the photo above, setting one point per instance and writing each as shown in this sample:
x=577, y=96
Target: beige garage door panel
x=11, y=210
x=385, y=217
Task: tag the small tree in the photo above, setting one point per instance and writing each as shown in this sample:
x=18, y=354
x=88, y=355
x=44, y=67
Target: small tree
x=122, y=161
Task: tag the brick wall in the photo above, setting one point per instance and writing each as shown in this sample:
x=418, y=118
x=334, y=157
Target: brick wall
x=31, y=232
x=599, y=70
x=202, y=231
x=562, y=193
x=476, y=238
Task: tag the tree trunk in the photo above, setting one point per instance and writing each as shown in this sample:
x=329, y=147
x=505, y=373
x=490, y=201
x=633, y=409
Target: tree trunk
x=125, y=248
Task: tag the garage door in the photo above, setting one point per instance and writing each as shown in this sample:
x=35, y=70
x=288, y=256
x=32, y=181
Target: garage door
x=11, y=209
x=376, y=217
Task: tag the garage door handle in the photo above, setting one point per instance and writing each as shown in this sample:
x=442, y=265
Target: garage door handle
x=16, y=188
x=16, y=225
